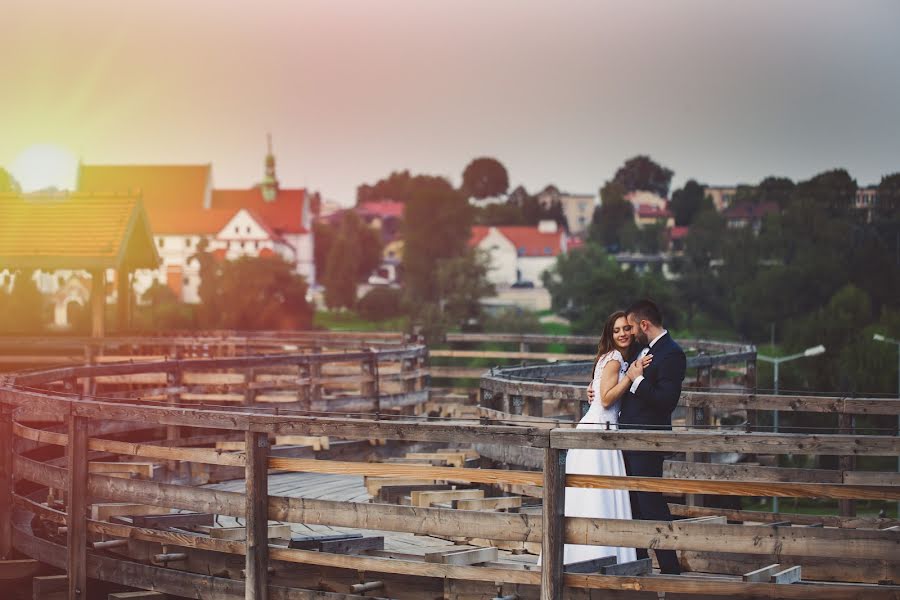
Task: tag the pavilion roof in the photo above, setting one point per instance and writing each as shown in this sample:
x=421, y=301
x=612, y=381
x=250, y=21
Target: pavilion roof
x=75, y=231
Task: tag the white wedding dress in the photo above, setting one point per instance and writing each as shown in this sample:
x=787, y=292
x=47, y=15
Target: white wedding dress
x=596, y=503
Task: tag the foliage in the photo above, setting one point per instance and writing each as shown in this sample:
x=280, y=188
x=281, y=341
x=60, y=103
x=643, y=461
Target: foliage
x=210, y=269
x=462, y=282
x=642, y=173
x=23, y=309
x=8, y=183
x=521, y=208
x=398, y=186
x=587, y=285
x=381, y=303
x=324, y=236
x=888, y=206
x=262, y=293
x=608, y=220
x=347, y=320
x=352, y=257
x=688, y=201
x=160, y=309
x=485, y=178
x=513, y=320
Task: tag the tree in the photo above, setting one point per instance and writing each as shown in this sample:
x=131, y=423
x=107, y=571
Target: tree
x=462, y=283
x=381, y=303
x=437, y=225
x=833, y=190
x=342, y=271
x=642, y=173
x=324, y=234
x=611, y=216
x=8, y=183
x=887, y=206
x=263, y=293
x=161, y=309
x=688, y=201
x=24, y=310
x=698, y=284
x=209, y=291
x=485, y=178
x=397, y=187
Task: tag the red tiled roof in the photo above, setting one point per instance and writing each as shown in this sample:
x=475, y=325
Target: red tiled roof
x=648, y=211
x=382, y=208
x=74, y=231
x=751, y=210
x=173, y=195
x=527, y=240
x=284, y=214
x=678, y=232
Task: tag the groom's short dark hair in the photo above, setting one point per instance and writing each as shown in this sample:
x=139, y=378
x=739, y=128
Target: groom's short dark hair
x=646, y=310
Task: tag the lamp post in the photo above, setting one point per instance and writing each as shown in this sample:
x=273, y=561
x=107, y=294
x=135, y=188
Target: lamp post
x=776, y=362
x=881, y=338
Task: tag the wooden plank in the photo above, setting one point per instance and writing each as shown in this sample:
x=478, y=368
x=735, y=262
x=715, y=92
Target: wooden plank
x=240, y=533
x=590, y=566
x=463, y=557
x=141, y=469
x=743, y=472
x=425, y=499
x=257, y=511
x=506, y=354
x=318, y=442
x=762, y=574
x=814, y=568
x=641, y=566
x=679, y=510
x=502, y=502
x=19, y=568
x=312, y=542
x=180, y=520
x=352, y=545
x=76, y=508
x=727, y=441
x=374, y=484
x=106, y=511
x=50, y=587
x=553, y=538
x=391, y=494
x=789, y=575
x=7, y=446
x=456, y=459
x=231, y=446
x=137, y=596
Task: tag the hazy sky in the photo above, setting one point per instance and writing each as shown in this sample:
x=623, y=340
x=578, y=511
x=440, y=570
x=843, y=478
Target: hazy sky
x=560, y=92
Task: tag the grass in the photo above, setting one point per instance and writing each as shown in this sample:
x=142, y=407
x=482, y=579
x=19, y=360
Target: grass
x=350, y=321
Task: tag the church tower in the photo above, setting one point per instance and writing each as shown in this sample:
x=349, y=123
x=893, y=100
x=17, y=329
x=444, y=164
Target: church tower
x=270, y=181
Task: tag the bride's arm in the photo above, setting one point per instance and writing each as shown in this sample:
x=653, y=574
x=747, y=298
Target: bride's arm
x=611, y=389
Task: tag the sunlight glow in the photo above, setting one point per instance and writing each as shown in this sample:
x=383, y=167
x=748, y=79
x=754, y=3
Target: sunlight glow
x=44, y=166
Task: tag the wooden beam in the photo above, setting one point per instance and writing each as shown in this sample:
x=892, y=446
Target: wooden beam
x=106, y=511
x=425, y=499
x=19, y=568
x=180, y=520
x=76, y=498
x=789, y=575
x=50, y=587
x=762, y=574
x=98, y=303
x=257, y=511
x=144, y=470
x=553, y=538
x=352, y=545
x=679, y=510
x=590, y=566
x=273, y=531
x=502, y=502
x=137, y=596
x=472, y=556
x=7, y=446
x=641, y=566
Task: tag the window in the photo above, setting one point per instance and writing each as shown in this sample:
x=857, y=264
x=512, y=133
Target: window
x=242, y=244
x=237, y=229
x=521, y=251
x=256, y=244
x=248, y=229
x=160, y=242
x=187, y=242
x=187, y=281
x=548, y=250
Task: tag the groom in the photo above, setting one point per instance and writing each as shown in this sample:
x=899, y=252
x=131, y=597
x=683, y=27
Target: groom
x=648, y=404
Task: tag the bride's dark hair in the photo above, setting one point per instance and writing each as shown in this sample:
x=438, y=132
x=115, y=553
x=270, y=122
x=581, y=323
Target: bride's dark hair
x=607, y=344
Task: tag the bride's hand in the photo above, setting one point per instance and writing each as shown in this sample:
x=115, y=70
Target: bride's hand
x=635, y=370
x=645, y=362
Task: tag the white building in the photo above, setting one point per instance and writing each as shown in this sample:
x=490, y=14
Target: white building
x=184, y=209
x=519, y=254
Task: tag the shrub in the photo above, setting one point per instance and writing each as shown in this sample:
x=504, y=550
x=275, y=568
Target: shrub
x=380, y=303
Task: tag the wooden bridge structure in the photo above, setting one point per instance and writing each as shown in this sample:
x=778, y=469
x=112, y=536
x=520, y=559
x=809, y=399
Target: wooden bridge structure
x=108, y=472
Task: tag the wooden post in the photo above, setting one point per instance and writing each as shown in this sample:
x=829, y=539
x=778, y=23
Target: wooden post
x=701, y=417
x=304, y=390
x=76, y=497
x=315, y=387
x=553, y=524
x=257, y=478
x=369, y=389
x=98, y=302
x=846, y=463
x=173, y=396
x=87, y=386
x=7, y=445
x=123, y=299
x=249, y=392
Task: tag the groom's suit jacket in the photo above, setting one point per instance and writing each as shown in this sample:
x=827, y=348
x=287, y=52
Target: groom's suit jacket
x=652, y=403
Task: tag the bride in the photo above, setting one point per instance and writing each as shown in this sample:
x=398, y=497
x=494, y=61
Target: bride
x=609, y=384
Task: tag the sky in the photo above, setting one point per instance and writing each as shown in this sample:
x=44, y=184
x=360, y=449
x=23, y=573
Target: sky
x=561, y=92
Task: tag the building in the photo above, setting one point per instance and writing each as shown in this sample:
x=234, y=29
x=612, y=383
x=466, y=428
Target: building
x=865, y=200
x=647, y=214
x=185, y=210
x=749, y=214
x=722, y=196
x=519, y=254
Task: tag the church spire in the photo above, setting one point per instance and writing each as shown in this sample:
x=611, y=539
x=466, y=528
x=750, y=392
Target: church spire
x=270, y=181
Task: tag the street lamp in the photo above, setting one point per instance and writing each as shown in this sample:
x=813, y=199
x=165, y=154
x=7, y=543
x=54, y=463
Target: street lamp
x=881, y=338
x=776, y=361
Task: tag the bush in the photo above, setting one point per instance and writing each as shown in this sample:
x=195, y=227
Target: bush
x=380, y=303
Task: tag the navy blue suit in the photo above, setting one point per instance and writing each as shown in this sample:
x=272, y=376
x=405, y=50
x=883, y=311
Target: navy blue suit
x=650, y=407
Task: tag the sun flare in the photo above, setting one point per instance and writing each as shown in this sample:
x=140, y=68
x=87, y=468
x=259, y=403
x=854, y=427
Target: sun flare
x=45, y=166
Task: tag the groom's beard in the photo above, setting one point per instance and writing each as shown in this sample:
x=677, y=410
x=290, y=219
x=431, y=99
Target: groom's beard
x=642, y=338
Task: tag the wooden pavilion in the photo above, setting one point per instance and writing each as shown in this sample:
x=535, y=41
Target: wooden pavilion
x=77, y=231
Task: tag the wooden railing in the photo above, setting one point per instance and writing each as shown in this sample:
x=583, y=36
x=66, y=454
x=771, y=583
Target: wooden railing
x=38, y=397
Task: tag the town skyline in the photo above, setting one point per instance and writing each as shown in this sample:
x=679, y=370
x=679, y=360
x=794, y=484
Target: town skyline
x=723, y=95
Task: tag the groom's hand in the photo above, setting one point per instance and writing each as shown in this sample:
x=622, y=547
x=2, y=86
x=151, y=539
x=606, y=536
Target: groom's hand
x=590, y=394
x=637, y=367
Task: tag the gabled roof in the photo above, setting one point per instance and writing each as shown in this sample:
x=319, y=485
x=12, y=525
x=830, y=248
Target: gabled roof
x=284, y=214
x=173, y=195
x=75, y=231
x=529, y=241
x=648, y=211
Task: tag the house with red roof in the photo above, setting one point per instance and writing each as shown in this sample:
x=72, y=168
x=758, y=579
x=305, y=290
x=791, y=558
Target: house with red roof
x=749, y=214
x=519, y=253
x=184, y=210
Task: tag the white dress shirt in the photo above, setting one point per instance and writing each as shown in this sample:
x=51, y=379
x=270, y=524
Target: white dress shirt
x=637, y=382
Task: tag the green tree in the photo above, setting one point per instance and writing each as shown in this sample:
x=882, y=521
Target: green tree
x=462, y=282
x=324, y=234
x=8, y=183
x=642, y=173
x=24, y=311
x=437, y=225
x=342, y=272
x=833, y=190
x=688, y=201
x=161, y=310
x=397, y=186
x=888, y=205
x=614, y=213
x=263, y=293
x=699, y=285
x=485, y=178
x=209, y=290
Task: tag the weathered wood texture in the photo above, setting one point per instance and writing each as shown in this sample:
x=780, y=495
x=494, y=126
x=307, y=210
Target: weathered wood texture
x=257, y=512
x=76, y=497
